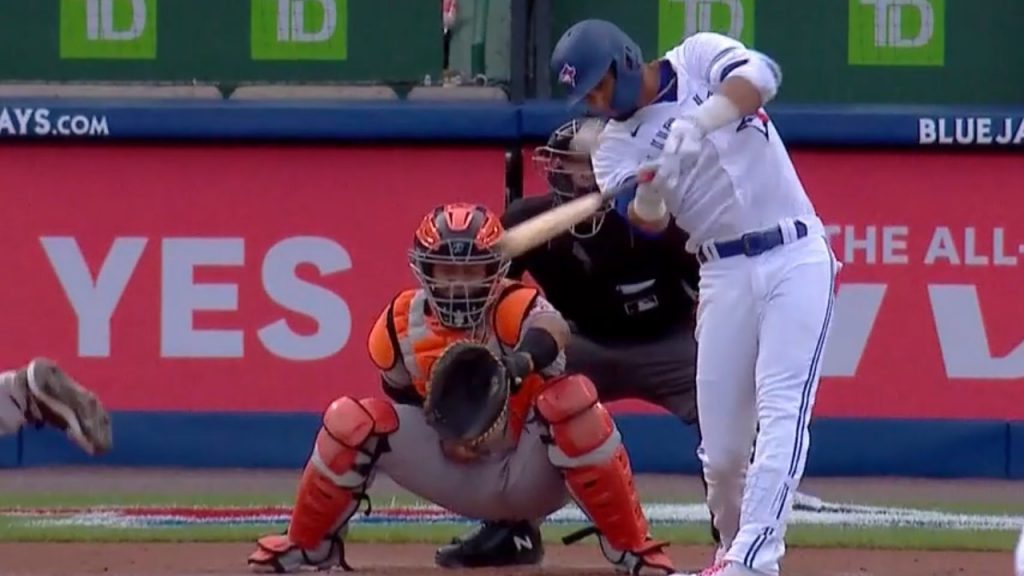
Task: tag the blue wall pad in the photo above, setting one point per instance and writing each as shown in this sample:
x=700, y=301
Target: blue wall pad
x=463, y=122
x=1015, y=451
x=10, y=450
x=659, y=444
x=924, y=448
x=188, y=440
x=656, y=443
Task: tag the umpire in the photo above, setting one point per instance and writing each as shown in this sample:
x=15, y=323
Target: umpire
x=629, y=299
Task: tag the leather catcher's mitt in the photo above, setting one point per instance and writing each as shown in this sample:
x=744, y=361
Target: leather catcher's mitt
x=467, y=394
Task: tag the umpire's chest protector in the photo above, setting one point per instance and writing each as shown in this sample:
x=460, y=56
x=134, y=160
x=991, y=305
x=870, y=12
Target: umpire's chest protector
x=421, y=341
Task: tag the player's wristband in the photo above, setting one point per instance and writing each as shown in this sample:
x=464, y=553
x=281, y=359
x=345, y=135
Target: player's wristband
x=648, y=205
x=541, y=346
x=716, y=112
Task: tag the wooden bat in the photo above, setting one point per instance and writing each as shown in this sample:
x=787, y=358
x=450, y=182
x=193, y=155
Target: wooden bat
x=531, y=233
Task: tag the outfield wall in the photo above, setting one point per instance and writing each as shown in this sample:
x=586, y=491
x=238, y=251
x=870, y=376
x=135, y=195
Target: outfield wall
x=212, y=268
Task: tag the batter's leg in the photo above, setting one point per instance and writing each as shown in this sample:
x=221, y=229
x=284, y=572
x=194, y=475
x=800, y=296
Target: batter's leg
x=726, y=353
x=1019, y=557
x=793, y=334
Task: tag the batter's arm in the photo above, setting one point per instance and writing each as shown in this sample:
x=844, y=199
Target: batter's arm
x=743, y=80
x=616, y=166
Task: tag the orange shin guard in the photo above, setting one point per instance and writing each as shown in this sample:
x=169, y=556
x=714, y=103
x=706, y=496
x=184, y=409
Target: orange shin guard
x=607, y=493
x=345, y=451
x=589, y=451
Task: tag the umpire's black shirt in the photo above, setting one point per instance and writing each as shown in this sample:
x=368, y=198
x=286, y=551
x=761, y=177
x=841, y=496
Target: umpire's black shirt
x=615, y=286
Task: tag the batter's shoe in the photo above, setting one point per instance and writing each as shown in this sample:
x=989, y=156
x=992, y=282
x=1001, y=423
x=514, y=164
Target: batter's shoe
x=277, y=554
x=494, y=544
x=57, y=400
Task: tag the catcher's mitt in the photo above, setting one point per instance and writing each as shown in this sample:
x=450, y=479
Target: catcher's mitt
x=467, y=394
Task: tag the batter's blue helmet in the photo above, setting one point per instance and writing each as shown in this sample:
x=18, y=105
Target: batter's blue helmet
x=587, y=51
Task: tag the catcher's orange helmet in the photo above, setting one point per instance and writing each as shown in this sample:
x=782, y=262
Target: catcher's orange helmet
x=454, y=260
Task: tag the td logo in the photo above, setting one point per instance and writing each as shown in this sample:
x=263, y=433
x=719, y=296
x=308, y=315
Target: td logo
x=299, y=29
x=678, y=19
x=897, y=32
x=102, y=29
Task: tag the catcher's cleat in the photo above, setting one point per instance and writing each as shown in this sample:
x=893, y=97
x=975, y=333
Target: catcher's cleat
x=277, y=554
x=494, y=544
x=649, y=558
x=56, y=399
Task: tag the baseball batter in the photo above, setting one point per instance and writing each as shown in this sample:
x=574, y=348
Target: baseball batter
x=694, y=119
x=479, y=445
x=43, y=394
x=1019, y=559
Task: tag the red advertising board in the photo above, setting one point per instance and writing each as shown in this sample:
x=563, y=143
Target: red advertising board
x=217, y=278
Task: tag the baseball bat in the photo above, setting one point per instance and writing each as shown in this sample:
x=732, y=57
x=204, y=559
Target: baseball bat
x=531, y=233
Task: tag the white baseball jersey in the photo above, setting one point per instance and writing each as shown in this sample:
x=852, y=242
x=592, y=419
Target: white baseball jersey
x=743, y=180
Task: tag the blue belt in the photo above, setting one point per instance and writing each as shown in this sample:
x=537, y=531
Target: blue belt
x=753, y=243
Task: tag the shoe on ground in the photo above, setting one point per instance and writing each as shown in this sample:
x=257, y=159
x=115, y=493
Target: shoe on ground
x=494, y=544
x=278, y=555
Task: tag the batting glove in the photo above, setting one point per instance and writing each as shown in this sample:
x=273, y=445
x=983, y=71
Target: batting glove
x=682, y=148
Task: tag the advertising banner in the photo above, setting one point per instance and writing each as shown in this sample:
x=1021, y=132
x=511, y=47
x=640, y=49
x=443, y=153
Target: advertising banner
x=221, y=41
x=929, y=321
x=217, y=278
x=845, y=51
x=213, y=278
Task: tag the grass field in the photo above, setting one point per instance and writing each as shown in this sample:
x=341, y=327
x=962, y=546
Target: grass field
x=19, y=529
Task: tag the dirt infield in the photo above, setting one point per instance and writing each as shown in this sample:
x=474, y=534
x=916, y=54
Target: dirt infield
x=415, y=559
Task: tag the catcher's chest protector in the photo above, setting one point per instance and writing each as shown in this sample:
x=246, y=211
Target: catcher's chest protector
x=422, y=342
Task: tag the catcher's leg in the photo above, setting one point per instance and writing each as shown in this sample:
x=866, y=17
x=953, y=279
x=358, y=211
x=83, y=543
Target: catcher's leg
x=481, y=489
x=588, y=449
x=41, y=393
x=339, y=471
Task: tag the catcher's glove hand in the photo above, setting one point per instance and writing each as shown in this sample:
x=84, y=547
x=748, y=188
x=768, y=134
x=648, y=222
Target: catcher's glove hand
x=467, y=394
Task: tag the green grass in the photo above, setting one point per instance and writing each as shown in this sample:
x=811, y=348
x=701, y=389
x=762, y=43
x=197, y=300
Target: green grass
x=18, y=530
x=797, y=537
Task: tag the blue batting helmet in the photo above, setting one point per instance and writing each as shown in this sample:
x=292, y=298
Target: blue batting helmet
x=587, y=51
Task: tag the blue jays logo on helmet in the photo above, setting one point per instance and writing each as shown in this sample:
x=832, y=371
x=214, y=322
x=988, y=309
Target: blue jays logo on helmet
x=568, y=75
x=591, y=49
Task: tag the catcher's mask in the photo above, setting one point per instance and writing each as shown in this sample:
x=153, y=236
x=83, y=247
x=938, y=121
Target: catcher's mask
x=565, y=162
x=453, y=258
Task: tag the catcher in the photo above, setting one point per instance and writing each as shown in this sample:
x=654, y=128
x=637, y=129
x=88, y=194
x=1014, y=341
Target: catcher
x=42, y=394
x=482, y=422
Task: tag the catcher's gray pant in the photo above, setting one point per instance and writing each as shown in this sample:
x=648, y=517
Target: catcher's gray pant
x=519, y=484
x=662, y=372
x=12, y=404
